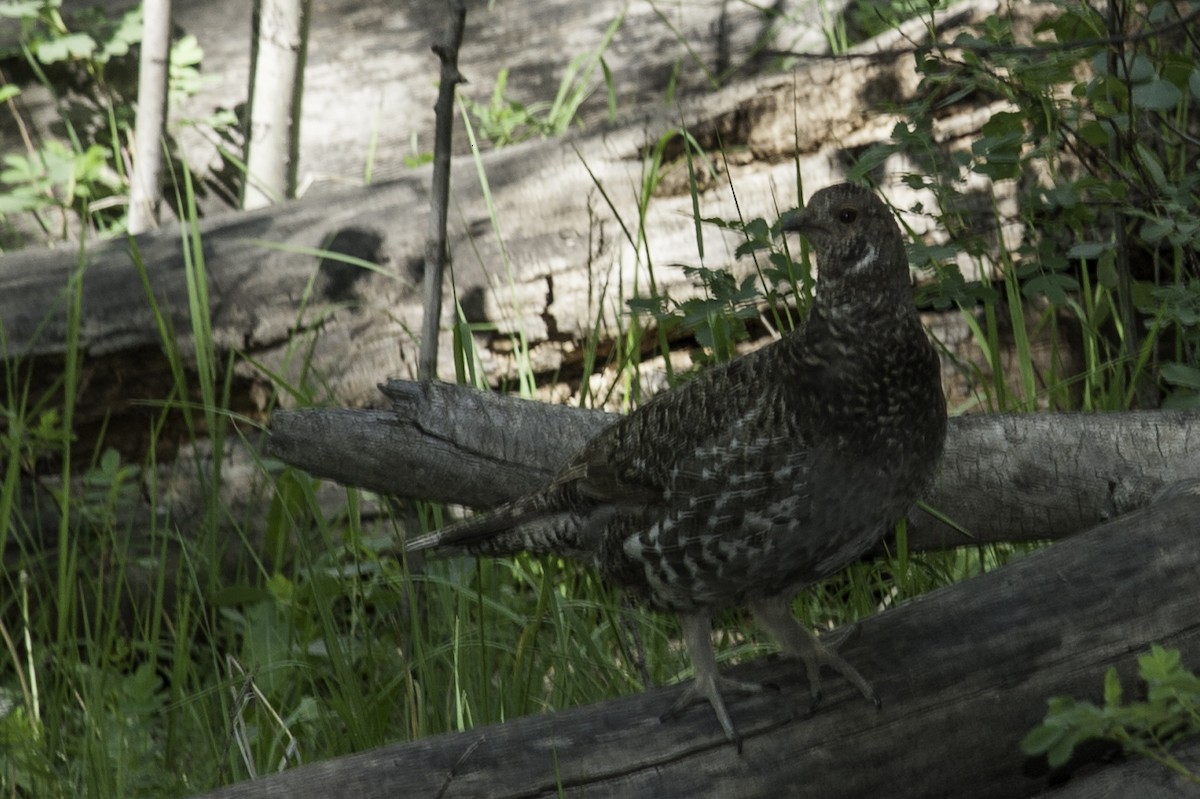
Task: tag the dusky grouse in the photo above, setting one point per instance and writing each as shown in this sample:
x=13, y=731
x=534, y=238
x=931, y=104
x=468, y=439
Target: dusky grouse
x=763, y=475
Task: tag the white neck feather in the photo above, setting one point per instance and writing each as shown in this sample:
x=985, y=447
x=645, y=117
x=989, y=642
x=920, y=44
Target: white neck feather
x=867, y=259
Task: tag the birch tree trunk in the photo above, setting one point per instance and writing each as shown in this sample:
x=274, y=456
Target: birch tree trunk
x=153, y=72
x=276, y=88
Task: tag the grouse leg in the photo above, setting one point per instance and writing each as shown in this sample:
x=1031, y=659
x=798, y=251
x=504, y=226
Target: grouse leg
x=707, y=684
x=775, y=615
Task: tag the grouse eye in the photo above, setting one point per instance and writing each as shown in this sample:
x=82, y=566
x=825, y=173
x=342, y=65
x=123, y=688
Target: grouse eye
x=847, y=215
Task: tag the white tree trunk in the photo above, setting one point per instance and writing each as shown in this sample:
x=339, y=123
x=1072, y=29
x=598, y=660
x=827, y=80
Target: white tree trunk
x=153, y=71
x=272, y=141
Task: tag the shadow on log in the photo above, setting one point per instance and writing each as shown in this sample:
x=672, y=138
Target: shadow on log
x=964, y=673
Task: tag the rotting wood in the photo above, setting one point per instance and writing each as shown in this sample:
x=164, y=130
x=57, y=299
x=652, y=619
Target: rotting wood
x=964, y=673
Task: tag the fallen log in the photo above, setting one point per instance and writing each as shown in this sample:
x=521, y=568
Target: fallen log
x=322, y=292
x=1003, y=478
x=372, y=62
x=964, y=673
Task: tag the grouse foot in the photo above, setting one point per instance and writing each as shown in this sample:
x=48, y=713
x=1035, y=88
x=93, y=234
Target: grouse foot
x=707, y=684
x=775, y=616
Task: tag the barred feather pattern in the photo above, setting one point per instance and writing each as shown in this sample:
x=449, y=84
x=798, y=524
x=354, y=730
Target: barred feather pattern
x=765, y=474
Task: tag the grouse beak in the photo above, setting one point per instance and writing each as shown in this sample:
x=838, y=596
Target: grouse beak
x=797, y=221
x=793, y=221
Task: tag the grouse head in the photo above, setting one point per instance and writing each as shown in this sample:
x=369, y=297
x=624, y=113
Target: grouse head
x=858, y=247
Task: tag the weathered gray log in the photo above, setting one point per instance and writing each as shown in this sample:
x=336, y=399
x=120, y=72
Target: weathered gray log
x=1003, y=478
x=964, y=673
x=301, y=314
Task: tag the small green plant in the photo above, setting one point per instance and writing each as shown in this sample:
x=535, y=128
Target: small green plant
x=868, y=18
x=91, y=72
x=57, y=177
x=1169, y=714
x=505, y=120
x=82, y=173
x=718, y=319
x=1108, y=235
x=99, y=39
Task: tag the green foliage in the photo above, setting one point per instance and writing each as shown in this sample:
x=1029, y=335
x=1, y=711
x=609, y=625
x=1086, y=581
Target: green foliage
x=1169, y=714
x=99, y=40
x=82, y=180
x=869, y=18
x=257, y=643
x=56, y=177
x=505, y=120
x=718, y=319
x=1095, y=140
x=107, y=489
x=115, y=714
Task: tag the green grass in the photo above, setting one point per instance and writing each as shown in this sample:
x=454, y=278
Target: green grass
x=136, y=660
x=309, y=646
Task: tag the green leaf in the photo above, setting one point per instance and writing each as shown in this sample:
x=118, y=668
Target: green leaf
x=1152, y=165
x=1156, y=230
x=16, y=203
x=27, y=10
x=1074, y=23
x=1188, y=377
x=186, y=52
x=19, y=169
x=127, y=34
x=1041, y=739
x=1112, y=687
x=1106, y=270
x=870, y=160
x=1194, y=82
x=751, y=245
x=281, y=587
x=758, y=228
x=73, y=45
x=1096, y=132
x=1182, y=401
x=1052, y=285
x=1159, y=664
x=1160, y=13
x=1089, y=249
x=1061, y=751
x=1140, y=70
x=1157, y=95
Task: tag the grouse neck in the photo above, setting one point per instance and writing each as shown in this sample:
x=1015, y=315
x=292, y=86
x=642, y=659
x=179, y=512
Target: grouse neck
x=854, y=306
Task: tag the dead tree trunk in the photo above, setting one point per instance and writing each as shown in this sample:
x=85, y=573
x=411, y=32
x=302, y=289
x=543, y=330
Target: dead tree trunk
x=1003, y=478
x=964, y=673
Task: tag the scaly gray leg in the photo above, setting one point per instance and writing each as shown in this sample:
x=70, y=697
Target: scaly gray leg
x=697, y=636
x=775, y=615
